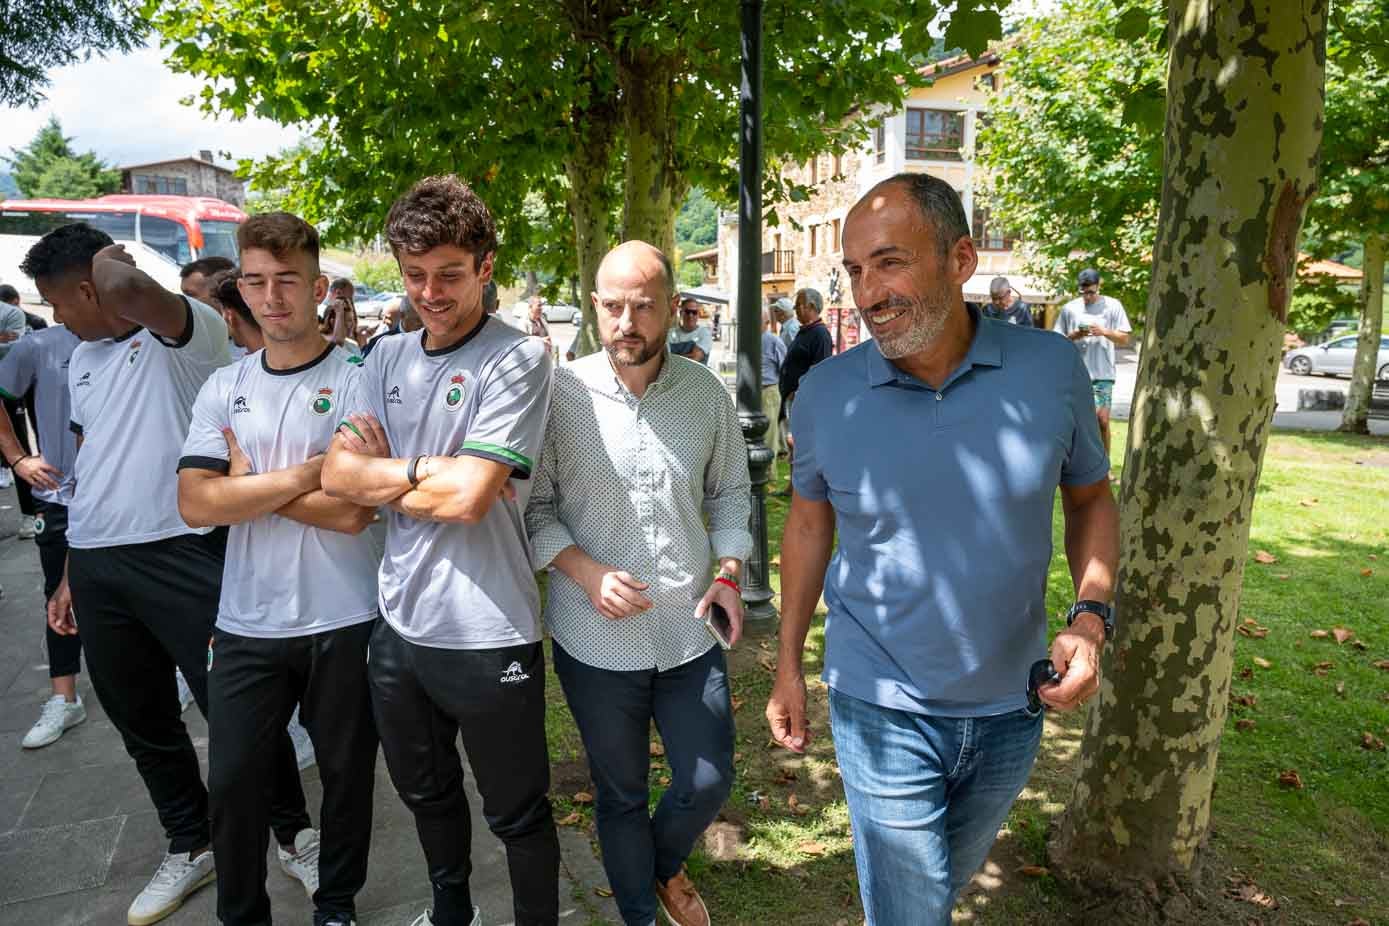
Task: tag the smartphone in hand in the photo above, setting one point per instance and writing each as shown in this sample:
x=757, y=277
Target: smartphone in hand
x=719, y=624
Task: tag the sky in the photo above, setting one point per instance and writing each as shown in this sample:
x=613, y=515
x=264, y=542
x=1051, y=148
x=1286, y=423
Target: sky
x=142, y=121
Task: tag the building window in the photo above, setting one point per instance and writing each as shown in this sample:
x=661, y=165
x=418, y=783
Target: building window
x=935, y=135
x=153, y=184
x=880, y=143
x=834, y=239
x=988, y=81
x=988, y=235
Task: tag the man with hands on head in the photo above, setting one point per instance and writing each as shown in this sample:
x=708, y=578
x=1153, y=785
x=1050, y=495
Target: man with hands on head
x=934, y=455
x=443, y=426
x=298, y=597
x=143, y=582
x=647, y=441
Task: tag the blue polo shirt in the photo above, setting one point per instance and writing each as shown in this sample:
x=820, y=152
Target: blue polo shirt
x=943, y=502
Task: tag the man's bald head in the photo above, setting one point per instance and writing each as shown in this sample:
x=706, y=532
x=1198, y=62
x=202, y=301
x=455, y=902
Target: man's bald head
x=638, y=260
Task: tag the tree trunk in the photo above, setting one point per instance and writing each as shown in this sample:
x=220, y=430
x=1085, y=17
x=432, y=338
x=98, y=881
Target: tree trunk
x=589, y=205
x=653, y=186
x=1355, y=420
x=1244, y=111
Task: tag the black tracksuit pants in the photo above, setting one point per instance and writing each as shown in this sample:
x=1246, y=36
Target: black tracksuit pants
x=424, y=697
x=253, y=685
x=143, y=609
x=64, y=653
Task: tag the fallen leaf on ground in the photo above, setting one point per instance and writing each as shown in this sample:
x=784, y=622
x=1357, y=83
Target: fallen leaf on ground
x=767, y=662
x=573, y=819
x=1322, y=668
x=1246, y=700
x=1369, y=741
x=784, y=776
x=1318, y=634
x=1034, y=871
x=1372, y=556
x=1360, y=645
x=1265, y=557
x=1255, y=632
x=582, y=797
x=1244, y=724
x=1358, y=922
x=1249, y=892
x=603, y=891
x=665, y=781
x=1341, y=689
x=1307, y=502
x=1250, y=621
x=1367, y=572
x=1342, y=634
x=1262, y=663
x=1246, y=672
x=1381, y=664
x=1283, y=575
x=1290, y=779
x=811, y=848
x=737, y=702
x=657, y=749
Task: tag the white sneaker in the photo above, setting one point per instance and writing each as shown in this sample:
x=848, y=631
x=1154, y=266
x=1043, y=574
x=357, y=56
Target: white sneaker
x=302, y=863
x=424, y=919
x=26, y=527
x=6, y=477
x=57, y=716
x=303, y=746
x=177, y=878
x=185, y=694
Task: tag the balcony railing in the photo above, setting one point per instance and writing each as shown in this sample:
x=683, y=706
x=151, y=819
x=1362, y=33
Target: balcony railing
x=778, y=263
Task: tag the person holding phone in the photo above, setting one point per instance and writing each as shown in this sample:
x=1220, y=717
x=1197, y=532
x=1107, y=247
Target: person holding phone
x=1096, y=324
x=642, y=445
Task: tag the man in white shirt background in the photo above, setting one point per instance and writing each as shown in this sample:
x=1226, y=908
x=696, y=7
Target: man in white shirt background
x=1096, y=324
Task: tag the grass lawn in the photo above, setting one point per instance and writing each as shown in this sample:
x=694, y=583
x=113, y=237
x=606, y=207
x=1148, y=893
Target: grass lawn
x=781, y=851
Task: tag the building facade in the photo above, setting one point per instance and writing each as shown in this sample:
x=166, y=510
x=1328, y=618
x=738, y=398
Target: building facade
x=933, y=132
x=195, y=176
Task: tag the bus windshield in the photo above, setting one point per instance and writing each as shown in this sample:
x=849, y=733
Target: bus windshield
x=219, y=240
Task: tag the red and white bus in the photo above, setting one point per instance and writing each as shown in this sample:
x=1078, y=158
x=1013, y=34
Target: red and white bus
x=162, y=233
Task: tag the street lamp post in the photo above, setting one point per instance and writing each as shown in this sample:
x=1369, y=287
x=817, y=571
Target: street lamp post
x=757, y=590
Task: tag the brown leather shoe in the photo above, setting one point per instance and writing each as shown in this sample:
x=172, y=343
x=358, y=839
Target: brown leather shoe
x=680, y=902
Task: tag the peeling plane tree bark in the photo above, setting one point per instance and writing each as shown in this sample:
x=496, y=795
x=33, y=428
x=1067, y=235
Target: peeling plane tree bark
x=1244, y=115
x=1355, y=419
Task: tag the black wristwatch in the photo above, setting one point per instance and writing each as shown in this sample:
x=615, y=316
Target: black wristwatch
x=1098, y=608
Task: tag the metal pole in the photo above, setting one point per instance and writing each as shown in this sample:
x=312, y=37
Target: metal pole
x=757, y=591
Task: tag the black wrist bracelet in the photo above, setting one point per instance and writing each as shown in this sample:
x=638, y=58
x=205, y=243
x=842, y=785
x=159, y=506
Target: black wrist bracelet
x=411, y=471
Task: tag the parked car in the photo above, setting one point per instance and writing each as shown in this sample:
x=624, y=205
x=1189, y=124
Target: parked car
x=1335, y=358
x=577, y=318
x=558, y=312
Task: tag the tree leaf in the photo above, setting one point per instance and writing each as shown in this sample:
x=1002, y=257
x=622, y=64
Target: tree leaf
x=1132, y=25
x=1371, y=742
x=1342, y=634
x=810, y=847
x=1033, y=871
x=1290, y=779
x=1244, y=724
x=1262, y=663
x=1265, y=557
x=582, y=797
x=1319, y=635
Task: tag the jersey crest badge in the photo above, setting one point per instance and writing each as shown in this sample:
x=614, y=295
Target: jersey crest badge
x=322, y=402
x=453, y=398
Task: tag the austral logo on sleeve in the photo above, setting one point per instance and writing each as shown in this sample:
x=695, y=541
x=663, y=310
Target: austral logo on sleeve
x=322, y=402
x=453, y=398
x=85, y=379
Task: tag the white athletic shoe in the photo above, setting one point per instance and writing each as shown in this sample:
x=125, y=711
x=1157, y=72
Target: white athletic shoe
x=185, y=694
x=26, y=527
x=302, y=863
x=303, y=746
x=175, y=881
x=58, y=715
x=6, y=477
x=424, y=919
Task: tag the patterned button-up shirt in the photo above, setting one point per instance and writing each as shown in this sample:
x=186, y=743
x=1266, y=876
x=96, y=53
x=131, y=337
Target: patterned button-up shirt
x=630, y=481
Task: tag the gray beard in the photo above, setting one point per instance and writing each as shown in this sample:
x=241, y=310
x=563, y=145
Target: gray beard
x=928, y=322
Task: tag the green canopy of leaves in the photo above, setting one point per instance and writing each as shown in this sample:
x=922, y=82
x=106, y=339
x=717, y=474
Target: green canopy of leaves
x=36, y=35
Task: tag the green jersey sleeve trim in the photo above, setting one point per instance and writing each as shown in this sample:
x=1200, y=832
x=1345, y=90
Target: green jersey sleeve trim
x=507, y=454
x=12, y=398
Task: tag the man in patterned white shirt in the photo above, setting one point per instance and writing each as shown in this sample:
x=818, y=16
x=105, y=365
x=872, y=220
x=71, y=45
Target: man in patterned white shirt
x=641, y=446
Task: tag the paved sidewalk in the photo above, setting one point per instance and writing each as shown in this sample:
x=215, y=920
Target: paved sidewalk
x=79, y=839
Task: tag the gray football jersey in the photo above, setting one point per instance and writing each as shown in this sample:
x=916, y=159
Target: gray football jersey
x=40, y=361
x=282, y=578
x=461, y=586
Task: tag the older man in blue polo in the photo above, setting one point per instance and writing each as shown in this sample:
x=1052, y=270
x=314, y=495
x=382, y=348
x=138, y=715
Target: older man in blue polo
x=936, y=450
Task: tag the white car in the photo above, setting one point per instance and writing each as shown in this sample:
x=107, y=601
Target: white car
x=1335, y=358
x=558, y=312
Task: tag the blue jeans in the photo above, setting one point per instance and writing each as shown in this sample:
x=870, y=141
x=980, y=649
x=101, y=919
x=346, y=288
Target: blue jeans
x=926, y=798
x=614, y=710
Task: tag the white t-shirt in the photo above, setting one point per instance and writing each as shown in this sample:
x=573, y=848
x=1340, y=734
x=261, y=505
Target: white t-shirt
x=1098, y=352
x=702, y=338
x=282, y=578
x=132, y=400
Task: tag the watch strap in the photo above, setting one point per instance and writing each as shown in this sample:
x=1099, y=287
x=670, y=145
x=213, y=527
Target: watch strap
x=1098, y=608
